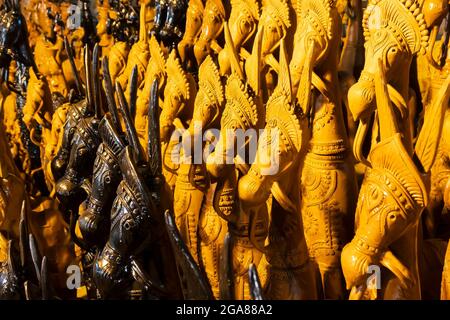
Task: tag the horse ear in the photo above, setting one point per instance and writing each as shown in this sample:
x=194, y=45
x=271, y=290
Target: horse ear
x=70, y=55
x=10, y=261
x=226, y=270
x=284, y=80
x=304, y=87
x=16, y=5
x=234, y=59
x=88, y=72
x=254, y=76
x=131, y=133
x=96, y=82
x=133, y=92
x=154, y=146
x=23, y=249
x=109, y=92
x=35, y=257
x=44, y=279
x=255, y=283
x=25, y=54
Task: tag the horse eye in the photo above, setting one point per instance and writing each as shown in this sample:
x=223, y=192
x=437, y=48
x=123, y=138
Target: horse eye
x=82, y=152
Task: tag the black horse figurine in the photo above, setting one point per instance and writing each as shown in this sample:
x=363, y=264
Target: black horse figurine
x=131, y=215
x=78, y=109
x=131, y=219
x=169, y=21
x=94, y=223
x=14, y=43
x=70, y=189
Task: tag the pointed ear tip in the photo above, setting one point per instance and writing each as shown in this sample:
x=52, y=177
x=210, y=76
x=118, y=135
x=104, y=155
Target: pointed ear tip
x=168, y=218
x=118, y=85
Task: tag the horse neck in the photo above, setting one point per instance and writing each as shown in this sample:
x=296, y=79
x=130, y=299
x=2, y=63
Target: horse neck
x=187, y=111
x=401, y=84
x=329, y=123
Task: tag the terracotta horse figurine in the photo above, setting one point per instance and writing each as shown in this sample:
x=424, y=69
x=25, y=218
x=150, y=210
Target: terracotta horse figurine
x=275, y=174
x=276, y=20
x=138, y=56
x=156, y=70
x=194, y=18
x=125, y=29
x=193, y=180
x=106, y=40
x=214, y=15
x=328, y=183
x=26, y=277
x=243, y=113
x=199, y=225
x=243, y=23
x=179, y=96
x=12, y=194
x=431, y=77
x=49, y=51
